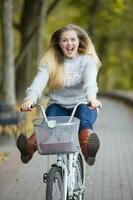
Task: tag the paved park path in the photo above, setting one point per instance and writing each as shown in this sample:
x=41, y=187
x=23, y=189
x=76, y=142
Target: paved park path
x=111, y=178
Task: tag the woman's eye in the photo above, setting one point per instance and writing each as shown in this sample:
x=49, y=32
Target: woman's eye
x=63, y=40
x=73, y=39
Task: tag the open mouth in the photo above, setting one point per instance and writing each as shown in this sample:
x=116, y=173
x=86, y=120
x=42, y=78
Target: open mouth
x=70, y=50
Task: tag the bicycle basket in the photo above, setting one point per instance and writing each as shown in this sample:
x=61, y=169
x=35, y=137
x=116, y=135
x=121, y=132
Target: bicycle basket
x=63, y=138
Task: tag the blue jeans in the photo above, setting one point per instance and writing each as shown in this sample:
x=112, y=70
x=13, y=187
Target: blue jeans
x=86, y=115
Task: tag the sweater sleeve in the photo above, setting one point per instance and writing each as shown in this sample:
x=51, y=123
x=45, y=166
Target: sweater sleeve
x=39, y=83
x=90, y=77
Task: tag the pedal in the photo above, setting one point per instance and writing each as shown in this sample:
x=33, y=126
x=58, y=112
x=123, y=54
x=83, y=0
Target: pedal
x=45, y=177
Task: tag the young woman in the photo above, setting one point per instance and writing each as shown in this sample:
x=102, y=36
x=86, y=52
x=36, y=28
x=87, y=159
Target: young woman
x=69, y=69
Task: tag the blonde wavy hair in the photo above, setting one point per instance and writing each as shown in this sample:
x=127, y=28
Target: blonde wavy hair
x=54, y=57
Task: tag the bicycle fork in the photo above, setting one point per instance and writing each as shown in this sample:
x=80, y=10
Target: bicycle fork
x=68, y=175
x=71, y=177
x=74, y=177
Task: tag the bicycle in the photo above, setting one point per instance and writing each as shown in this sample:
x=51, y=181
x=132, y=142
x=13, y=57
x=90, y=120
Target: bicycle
x=65, y=180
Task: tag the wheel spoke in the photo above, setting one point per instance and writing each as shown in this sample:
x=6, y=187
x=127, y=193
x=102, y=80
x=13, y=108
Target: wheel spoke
x=56, y=190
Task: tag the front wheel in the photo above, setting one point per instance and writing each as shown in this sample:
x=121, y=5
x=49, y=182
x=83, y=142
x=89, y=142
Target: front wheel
x=54, y=188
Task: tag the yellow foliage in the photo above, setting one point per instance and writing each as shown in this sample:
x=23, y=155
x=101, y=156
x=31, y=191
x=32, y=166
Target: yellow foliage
x=3, y=156
x=25, y=126
x=1, y=129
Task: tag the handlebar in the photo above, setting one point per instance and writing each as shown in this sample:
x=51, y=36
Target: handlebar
x=42, y=110
x=75, y=108
x=44, y=114
x=72, y=115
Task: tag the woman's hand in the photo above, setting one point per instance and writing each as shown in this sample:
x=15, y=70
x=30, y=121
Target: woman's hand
x=94, y=103
x=26, y=105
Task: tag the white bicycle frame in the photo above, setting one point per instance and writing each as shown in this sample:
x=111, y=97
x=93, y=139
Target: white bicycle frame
x=69, y=175
x=68, y=168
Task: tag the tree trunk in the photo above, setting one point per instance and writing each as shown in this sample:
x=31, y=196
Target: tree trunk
x=41, y=27
x=31, y=29
x=8, y=53
x=30, y=22
x=93, y=7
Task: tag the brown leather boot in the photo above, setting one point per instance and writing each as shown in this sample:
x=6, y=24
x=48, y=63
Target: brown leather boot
x=26, y=146
x=89, y=143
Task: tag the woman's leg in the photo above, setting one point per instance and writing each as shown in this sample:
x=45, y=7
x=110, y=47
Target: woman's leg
x=27, y=146
x=56, y=110
x=89, y=141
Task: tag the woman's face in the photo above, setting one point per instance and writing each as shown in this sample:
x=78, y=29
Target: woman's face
x=69, y=43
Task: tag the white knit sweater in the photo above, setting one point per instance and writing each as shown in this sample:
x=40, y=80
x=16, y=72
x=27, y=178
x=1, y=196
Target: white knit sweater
x=79, y=81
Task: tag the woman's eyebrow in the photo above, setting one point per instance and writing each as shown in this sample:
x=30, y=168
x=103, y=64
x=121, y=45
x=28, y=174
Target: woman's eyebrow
x=67, y=37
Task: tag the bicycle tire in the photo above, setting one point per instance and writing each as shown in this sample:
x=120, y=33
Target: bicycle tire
x=79, y=176
x=54, y=188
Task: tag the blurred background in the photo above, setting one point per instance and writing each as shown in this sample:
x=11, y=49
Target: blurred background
x=26, y=27
x=25, y=30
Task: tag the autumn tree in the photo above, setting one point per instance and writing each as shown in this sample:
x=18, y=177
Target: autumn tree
x=8, y=53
